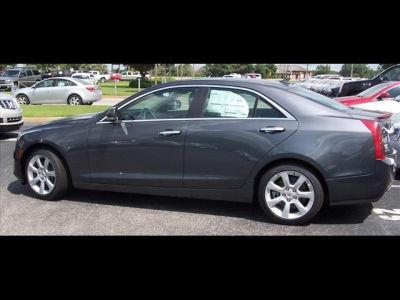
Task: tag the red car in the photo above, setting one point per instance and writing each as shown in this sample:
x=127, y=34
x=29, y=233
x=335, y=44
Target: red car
x=378, y=92
x=115, y=76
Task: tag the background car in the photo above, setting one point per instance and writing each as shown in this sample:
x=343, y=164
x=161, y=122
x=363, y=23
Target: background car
x=62, y=90
x=355, y=87
x=24, y=75
x=382, y=91
x=85, y=76
x=253, y=75
x=10, y=113
x=56, y=73
x=392, y=107
x=115, y=76
x=237, y=140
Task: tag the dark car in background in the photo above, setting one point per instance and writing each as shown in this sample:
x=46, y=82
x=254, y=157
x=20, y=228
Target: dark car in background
x=355, y=87
x=290, y=149
x=56, y=73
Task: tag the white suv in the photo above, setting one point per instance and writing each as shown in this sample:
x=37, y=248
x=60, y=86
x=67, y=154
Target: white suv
x=10, y=114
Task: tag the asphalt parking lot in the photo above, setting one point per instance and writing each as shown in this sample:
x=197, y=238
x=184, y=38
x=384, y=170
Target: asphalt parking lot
x=105, y=213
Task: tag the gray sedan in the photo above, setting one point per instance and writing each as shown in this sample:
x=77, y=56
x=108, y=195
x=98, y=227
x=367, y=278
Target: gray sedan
x=62, y=90
x=241, y=140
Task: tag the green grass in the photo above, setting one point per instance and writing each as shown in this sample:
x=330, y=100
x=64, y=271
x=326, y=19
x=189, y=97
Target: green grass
x=60, y=110
x=123, y=89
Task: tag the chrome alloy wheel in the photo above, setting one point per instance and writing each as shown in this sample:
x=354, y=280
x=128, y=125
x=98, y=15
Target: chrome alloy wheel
x=41, y=174
x=74, y=100
x=22, y=99
x=289, y=194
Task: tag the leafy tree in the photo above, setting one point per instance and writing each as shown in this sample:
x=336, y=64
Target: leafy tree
x=322, y=69
x=359, y=70
x=385, y=66
x=142, y=68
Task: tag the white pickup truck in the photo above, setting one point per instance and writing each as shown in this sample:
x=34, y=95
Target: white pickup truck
x=97, y=75
x=132, y=75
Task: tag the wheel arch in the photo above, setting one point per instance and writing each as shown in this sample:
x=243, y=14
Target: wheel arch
x=297, y=161
x=44, y=146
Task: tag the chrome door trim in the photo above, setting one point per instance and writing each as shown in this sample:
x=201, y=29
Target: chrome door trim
x=273, y=103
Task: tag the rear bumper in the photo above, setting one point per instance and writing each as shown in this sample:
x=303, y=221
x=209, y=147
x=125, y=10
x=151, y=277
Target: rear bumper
x=363, y=189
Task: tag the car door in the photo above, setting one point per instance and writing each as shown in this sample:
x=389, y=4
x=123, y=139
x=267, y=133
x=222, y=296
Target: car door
x=236, y=129
x=41, y=92
x=59, y=91
x=145, y=148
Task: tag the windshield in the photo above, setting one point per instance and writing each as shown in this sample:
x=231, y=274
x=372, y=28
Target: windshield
x=373, y=90
x=10, y=73
x=321, y=99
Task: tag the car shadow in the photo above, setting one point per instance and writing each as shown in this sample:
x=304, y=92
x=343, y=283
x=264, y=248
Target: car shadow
x=329, y=215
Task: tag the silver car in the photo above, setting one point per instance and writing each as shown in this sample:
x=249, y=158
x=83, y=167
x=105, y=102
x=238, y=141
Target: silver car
x=61, y=90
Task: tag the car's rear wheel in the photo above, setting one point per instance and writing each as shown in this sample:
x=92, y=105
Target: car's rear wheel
x=102, y=80
x=74, y=100
x=23, y=99
x=46, y=175
x=290, y=194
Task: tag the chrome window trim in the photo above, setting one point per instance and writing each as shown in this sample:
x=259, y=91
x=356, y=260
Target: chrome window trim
x=288, y=116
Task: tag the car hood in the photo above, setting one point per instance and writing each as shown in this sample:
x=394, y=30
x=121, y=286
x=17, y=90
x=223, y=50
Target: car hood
x=390, y=106
x=64, y=122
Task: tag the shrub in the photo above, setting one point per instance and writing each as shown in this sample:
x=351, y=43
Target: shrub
x=143, y=83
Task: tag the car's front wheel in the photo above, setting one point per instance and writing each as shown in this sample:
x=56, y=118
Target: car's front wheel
x=23, y=99
x=290, y=194
x=46, y=175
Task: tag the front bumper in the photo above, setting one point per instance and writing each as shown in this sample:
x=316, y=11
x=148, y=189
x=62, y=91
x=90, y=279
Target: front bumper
x=10, y=127
x=364, y=188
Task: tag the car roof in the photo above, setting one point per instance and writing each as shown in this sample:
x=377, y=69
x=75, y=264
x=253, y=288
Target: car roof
x=240, y=82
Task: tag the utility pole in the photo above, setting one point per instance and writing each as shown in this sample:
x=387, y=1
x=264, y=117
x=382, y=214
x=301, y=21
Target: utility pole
x=155, y=73
x=193, y=71
x=351, y=72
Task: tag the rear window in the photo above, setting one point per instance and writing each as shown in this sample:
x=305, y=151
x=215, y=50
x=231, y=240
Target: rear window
x=321, y=99
x=83, y=81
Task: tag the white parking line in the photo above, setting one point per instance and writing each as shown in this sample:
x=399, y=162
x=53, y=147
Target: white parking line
x=387, y=214
x=395, y=186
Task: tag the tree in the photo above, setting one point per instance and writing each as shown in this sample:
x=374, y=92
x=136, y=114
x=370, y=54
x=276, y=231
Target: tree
x=142, y=68
x=385, y=66
x=359, y=70
x=322, y=69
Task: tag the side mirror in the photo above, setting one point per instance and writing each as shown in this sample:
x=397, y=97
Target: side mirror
x=112, y=115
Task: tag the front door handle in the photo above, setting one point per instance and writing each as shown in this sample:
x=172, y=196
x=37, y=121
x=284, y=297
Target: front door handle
x=170, y=132
x=272, y=129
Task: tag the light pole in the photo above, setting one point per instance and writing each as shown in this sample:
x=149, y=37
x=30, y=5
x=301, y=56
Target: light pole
x=351, y=72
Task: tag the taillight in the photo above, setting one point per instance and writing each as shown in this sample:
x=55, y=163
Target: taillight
x=91, y=89
x=376, y=132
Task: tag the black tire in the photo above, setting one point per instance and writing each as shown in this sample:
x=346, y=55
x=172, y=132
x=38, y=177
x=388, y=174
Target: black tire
x=102, y=79
x=318, y=194
x=26, y=99
x=71, y=97
x=61, y=184
x=89, y=103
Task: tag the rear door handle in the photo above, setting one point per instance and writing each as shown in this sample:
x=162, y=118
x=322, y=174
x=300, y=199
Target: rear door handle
x=272, y=129
x=170, y=132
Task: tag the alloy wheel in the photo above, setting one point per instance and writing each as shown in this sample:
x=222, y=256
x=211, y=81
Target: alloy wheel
x=41, y=174
x=289, y=195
